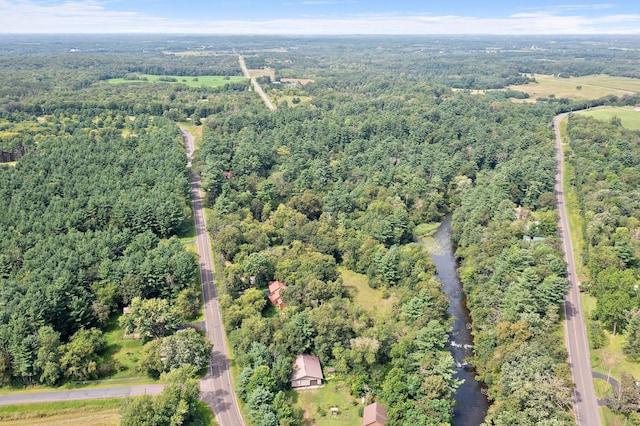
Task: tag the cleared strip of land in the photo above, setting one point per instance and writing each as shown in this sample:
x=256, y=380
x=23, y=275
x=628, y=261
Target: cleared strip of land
x=189, y=80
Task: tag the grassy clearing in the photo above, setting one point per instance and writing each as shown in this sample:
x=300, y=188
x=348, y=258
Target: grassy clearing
x=316, y=401
x=424, y=230
x=611, y=357
x=279, y=99
x=369, y=298
x=302, y=81
x=609, y=418
x=91, y=412
x=629, y=117
x=191, y=81
x=187, y=231
x=122, y=353
x=10, y=163
x=265, y=72
x=579, y=88
x=196, y=131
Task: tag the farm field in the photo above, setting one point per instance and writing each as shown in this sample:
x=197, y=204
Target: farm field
x=579, y=88
x=263, y=72
x=629, y=117
x=191, y=81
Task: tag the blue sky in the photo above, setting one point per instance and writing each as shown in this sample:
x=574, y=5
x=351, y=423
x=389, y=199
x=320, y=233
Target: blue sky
x=321, y=16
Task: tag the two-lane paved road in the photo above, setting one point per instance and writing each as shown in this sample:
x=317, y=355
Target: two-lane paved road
x=80, y=394
x=584, y=398
x=255, y=84
x=216, y=388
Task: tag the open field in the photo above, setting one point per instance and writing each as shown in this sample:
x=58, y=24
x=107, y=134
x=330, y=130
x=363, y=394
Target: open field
x=191, y=81
x=579, y=88
x=86, y=413
x=302, y=81
x=263, y=72
x=316, y=402
x=369, y=298
x=629, y=117
x=278, y=99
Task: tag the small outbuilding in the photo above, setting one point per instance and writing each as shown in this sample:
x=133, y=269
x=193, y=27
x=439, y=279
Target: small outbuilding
x=374, y=415
x=306, y=372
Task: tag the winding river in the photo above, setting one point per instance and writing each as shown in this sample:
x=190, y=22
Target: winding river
x=471, y=404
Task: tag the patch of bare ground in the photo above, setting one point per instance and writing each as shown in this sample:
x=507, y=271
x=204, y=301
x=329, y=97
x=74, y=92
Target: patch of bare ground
x=302, y=81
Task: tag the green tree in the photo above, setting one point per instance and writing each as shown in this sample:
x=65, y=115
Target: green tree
x=79, y=359
x=259, y=265
x=185, y=347
x=151, y=318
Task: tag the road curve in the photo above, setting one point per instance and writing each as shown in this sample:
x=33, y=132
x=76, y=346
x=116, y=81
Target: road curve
x=80, y=394
x=255, y=84
x=585, y=402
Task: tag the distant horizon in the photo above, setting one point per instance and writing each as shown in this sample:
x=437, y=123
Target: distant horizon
x=319, y=17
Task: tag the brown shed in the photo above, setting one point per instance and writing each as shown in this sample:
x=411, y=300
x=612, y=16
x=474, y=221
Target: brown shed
x=374, y=415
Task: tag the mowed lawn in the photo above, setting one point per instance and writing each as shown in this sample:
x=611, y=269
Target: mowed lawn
x=629, y=117
x=579, y=88
x=317, y=404
x=86, y=413
x=191, y=81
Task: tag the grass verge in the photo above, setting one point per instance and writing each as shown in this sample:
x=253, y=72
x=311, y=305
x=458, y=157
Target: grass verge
x=571, y=204
x=91, y=412
x=206, y=415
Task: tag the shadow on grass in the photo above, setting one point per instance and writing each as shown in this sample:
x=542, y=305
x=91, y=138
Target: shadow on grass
x=187, y=229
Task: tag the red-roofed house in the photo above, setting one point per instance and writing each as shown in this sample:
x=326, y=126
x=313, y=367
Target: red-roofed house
x=374, y=415
x=274, y=294
x=306, y=372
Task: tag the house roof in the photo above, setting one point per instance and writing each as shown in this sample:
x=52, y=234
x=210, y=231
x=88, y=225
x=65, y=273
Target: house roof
x=374, y=413
x=306, y=366
x=274, y=293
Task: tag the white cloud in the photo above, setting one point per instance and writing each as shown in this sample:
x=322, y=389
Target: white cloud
x=27, y=16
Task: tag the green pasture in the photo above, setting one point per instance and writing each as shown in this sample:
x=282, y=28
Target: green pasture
x=629, y=117
x=191, y=81
x=579, y=88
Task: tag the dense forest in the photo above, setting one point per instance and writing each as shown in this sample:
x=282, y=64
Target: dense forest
x=333, y=184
